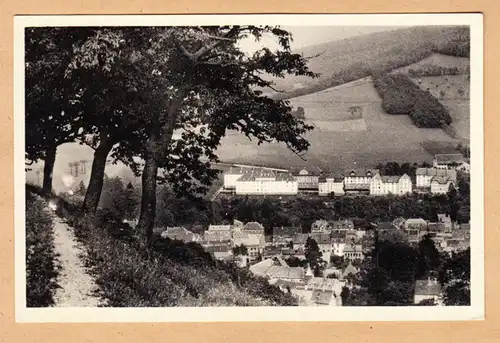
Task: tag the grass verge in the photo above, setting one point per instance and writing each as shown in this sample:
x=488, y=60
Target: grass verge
x=41, y=268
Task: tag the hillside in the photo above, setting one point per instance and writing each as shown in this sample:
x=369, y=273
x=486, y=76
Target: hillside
x=129, y=273
x=353, y=58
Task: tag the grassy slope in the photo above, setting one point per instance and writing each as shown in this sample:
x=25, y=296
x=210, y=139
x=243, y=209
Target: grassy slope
x=169, y=273
x=337, y=143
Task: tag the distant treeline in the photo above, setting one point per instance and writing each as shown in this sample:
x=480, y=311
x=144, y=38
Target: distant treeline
x=434, y=70
x=400, y=95
x=455, y=43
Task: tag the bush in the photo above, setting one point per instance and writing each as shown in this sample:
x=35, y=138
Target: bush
x=41, y=269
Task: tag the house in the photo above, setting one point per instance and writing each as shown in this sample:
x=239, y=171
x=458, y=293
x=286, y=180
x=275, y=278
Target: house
x=324, y=298
x=266, y=182
x=349, y=270
x=338, y=236
x=299, y=240
x=428, y=289
x=307, y=178
x=321, y=226
x=274, y=270
x=358, y=180
x=353, y=252
x=323, y=240
x=440, y=178
x=270, y=252
x=330, y=184
x=342, y=225
x=415, y=224
x=257, y=230
x=442, y=184
x=218, y=233
x=396, y=185
x=447, y=161
x=220, y=251
x=181, y=234
x=253, y=243
x=284, y=234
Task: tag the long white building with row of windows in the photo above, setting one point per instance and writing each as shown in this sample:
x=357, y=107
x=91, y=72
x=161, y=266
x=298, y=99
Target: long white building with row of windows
x=258, y=181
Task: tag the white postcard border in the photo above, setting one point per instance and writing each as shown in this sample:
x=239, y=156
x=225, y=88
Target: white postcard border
x=237, y=314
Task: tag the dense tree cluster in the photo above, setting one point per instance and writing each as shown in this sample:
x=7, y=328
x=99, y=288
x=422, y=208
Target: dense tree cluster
x=400, y=95
x=435, y=70
x=388, y=274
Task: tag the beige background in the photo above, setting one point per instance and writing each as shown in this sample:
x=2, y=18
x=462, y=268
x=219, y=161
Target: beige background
x=483, y=331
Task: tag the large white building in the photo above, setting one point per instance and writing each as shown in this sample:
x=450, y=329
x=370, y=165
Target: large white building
x=266, y=182
x=233, y=174
x=307, y=178
x=437, y=180
x=331, y=184
x=396, y=185
x=359, y=180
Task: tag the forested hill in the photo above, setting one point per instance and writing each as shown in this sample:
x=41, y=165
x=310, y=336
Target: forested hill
x=353, y=58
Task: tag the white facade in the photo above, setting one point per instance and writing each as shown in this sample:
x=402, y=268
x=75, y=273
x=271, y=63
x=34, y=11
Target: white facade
x=338, y=249
x=424, y=181
x=331, y=185
x=441, y=188
x=265, y=182
x=384, y=185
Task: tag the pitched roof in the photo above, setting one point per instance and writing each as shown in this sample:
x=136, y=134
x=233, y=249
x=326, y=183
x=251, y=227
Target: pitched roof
x=350, y=269
x=219, y=228
x=442, y=180
x=322, y=283
x=416, y=221
x=361, y=172
x=437, y=172
x=238, y=170
x=322, y=297
x=331, y=178
x=320, y=237
x=449, y=158
x=345, y=224
x=253, y=226
x=309, y=171
x=288, y=231
x=436, y=227
x=427, y=287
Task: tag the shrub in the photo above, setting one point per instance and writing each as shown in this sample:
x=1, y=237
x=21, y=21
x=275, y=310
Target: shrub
x=41, y=269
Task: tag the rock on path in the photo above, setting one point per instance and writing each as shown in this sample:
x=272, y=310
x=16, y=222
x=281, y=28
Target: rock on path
x=77, y=286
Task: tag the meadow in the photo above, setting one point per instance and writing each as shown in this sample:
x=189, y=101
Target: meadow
x=381, y=137
x=453, y=91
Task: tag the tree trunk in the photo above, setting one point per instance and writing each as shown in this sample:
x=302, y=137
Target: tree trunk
x=94, y=188
x=148, y=201
x=48, y=169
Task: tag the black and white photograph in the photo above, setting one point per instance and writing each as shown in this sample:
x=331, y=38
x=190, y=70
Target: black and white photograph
x=249, y=167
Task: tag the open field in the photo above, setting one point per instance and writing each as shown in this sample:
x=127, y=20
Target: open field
x=453, y=91
x=438, y=60
x=386, y=137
